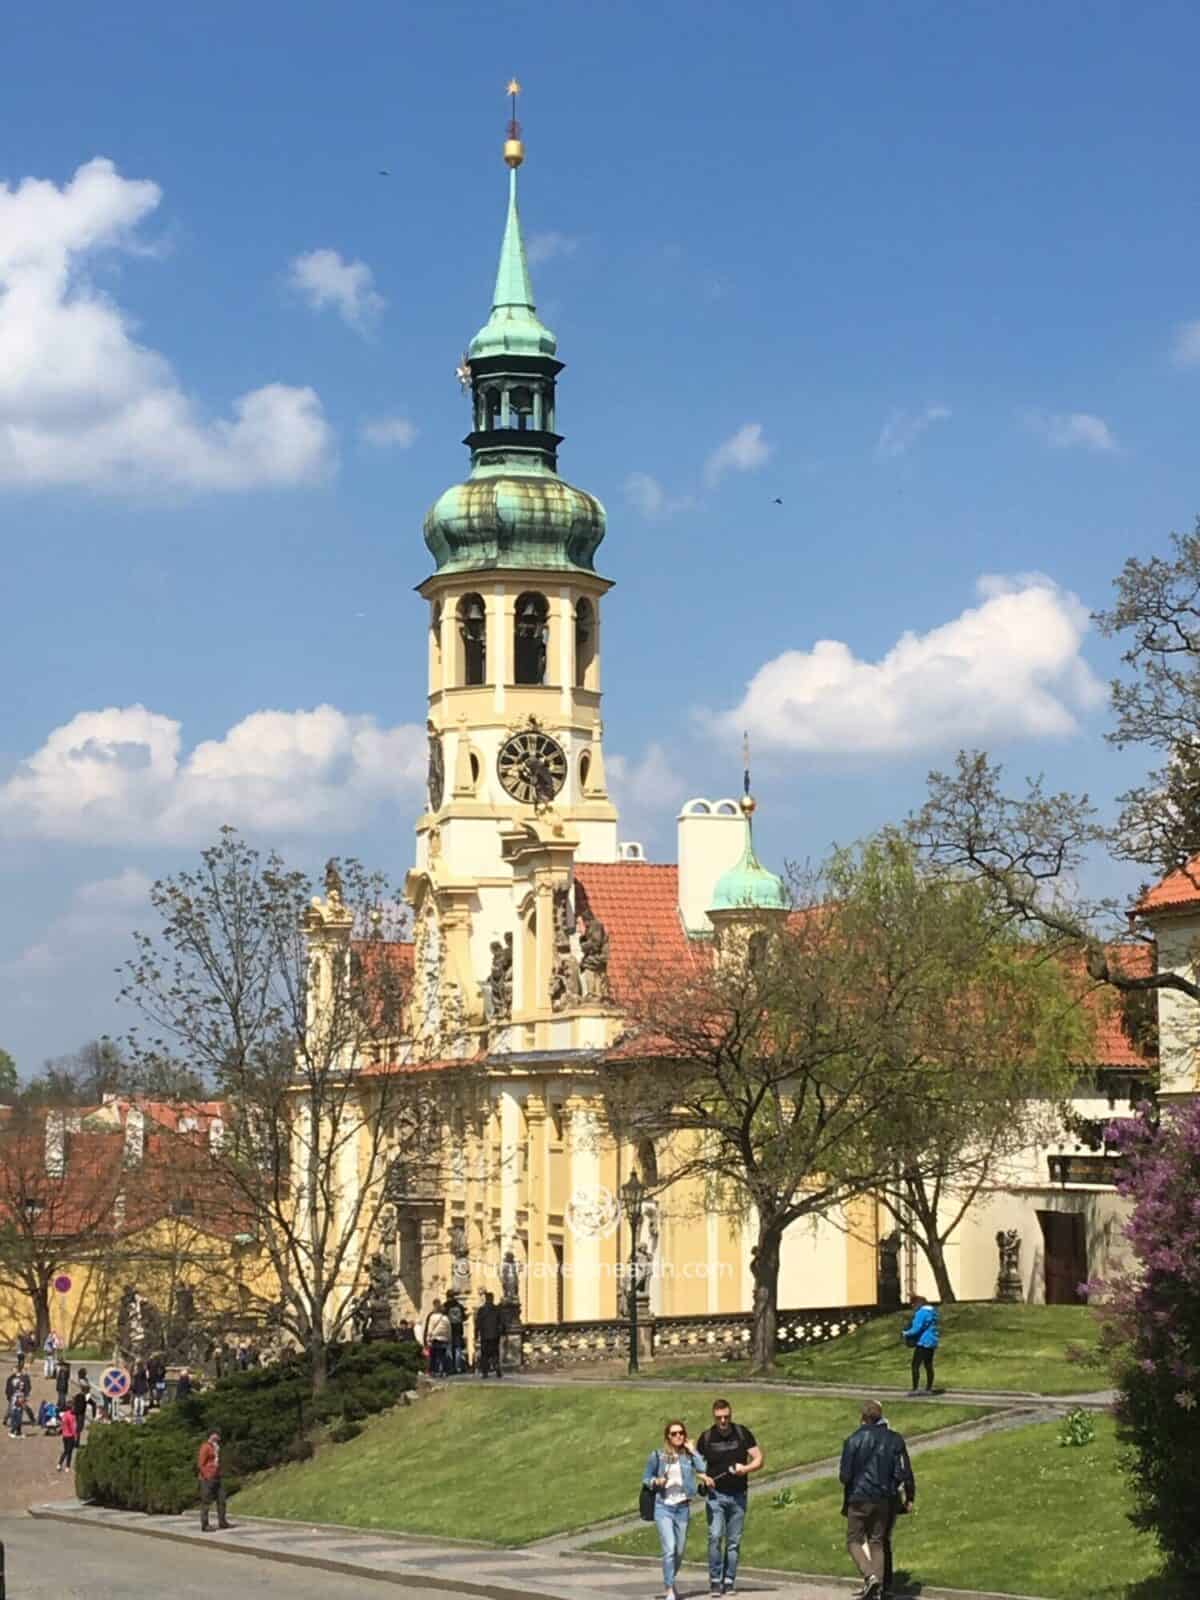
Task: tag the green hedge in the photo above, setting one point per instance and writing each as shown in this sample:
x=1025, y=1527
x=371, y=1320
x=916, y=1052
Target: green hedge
x=265, y=1417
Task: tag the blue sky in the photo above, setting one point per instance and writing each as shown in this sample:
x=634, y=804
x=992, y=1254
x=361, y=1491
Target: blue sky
x=928, y=274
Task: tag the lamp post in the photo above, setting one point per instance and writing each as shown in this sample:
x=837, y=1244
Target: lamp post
x=633, y=1192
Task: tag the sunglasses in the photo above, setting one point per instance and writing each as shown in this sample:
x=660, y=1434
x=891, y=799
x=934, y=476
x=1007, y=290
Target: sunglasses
x=671, y=1432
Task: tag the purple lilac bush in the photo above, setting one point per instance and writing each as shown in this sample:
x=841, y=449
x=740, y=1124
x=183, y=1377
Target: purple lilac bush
x=1153, y=1320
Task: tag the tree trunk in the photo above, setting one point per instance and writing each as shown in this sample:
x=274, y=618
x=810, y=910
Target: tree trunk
x=318, y=1352
x=764, y=1267
x=934, y=1251
x=39, y=1296
x=932, y=1243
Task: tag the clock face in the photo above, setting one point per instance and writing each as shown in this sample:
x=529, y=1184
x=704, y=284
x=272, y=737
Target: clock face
x=436, y=777
x=532, y=767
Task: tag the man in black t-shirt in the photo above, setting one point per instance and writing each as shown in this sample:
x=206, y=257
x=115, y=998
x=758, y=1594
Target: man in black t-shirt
x=731, y=1453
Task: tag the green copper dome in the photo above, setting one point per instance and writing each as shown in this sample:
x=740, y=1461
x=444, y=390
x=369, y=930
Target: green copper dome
x=748, y=886
x=514, y=510
x=514, y=520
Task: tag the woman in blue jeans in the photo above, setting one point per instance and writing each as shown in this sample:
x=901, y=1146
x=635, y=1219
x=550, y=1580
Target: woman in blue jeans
x=675, y=1473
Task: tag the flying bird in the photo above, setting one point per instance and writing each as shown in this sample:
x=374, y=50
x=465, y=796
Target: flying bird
x=778, y=501
x=384, y=173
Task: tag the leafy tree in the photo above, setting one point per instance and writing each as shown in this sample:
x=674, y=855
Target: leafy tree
x=294, y=1007
x=8, y=1077
x=818, y=1058
x=1154, y=1317
x=98, y=1069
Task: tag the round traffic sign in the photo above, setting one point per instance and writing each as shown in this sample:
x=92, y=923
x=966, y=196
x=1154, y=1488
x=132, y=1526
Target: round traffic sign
x=62, y=1283
x=115, y=1382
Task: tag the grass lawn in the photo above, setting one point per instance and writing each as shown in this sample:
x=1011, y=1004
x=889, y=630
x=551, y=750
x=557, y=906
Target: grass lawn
x=510, y=1465
x=1016, y=1513
x=983, y=1347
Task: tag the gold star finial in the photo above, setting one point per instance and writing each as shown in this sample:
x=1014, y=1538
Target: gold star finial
x=514, y=150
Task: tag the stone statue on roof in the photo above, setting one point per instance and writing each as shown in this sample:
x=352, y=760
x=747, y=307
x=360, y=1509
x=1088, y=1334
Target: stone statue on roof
x=333, y=882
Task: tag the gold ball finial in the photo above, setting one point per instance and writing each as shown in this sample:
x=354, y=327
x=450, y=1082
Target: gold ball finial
x=748, y=804
x=514, y=150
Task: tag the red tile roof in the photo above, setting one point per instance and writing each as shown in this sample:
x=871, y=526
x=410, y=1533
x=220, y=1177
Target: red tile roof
x=1113, y=1046
x=1178, y=890
x=394, y=953
x=638, y=903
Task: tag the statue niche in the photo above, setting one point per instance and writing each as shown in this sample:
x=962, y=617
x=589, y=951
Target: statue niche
x=593, y=957
x=565, y=982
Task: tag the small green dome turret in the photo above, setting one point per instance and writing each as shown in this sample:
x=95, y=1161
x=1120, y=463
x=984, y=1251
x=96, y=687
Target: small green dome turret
x=748, y=886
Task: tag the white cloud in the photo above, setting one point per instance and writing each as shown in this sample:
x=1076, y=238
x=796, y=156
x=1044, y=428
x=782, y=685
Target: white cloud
x=1007, y=667
x=81, y=401
x=1185, y=347
x=647, y=791
x=99, y=916
x=903, y=428
x=649, y=499
x=1068, y=430
x=389, y=432
x=743, y=451
x=545, y=246
x=324, y=279
x=121, y=775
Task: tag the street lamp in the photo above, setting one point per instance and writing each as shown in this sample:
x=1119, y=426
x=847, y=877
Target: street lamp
x=633, y=1192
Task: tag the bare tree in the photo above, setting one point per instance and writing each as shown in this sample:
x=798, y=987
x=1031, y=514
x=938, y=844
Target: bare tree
x=294, y=1005
x=60, y=1189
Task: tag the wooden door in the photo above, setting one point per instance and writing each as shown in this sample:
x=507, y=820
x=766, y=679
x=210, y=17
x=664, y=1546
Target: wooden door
x=1065, y=1255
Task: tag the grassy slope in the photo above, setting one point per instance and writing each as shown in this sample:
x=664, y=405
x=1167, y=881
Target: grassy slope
x=1016, y=1513
x=512, y=1465
x=983, y=1347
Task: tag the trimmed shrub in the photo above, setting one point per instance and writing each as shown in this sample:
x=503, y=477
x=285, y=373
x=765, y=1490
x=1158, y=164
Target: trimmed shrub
x=264, y=1417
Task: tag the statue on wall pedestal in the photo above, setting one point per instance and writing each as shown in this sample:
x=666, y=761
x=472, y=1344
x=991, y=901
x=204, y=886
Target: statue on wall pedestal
x=565, y=982
x=372, y=1314
x=888, y=1273
x=593, y=959
x=498, y=987
x=510, y=1289
x=1008, y=1282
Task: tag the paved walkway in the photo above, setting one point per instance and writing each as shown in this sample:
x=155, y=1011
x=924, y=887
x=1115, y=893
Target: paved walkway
x=1094, y=1400
x=430, y=1564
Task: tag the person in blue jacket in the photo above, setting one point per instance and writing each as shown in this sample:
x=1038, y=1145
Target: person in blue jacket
x=676, y=1472
x=921, y=1336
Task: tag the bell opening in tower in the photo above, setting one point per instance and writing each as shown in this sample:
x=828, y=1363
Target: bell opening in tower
x=472, y=628
x=532, y=633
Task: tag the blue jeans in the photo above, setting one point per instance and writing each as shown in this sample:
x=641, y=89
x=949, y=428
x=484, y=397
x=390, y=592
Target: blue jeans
x=726, y=1518
x=672, y=1525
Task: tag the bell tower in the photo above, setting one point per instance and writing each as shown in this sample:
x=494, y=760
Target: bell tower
x=516, y=788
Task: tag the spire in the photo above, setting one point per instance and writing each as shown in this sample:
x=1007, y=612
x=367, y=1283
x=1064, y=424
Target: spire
x=748, y=886
x=513, y=286
x=513, y=327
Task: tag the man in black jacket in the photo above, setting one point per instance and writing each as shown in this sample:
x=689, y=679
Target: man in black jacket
x=489, y=1325
x=875, y=1472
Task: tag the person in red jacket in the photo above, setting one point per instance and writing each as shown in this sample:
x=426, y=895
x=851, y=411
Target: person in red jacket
x=208, y=1466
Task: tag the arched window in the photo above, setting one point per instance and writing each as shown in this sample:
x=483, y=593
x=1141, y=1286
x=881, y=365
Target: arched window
x=520, y=409
x=492, y=403
x=585, y=767
x=585, y=641
x=472, y=628
x=531, y=629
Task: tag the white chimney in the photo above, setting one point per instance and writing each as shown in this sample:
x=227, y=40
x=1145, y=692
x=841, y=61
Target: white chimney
x=135, y=1136
x=216, y=1134
x=56, y=1144
x=712, y=836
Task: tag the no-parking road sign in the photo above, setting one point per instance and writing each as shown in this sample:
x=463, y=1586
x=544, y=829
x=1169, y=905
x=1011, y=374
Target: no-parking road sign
x=115, y=1382
x=62, y=1283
